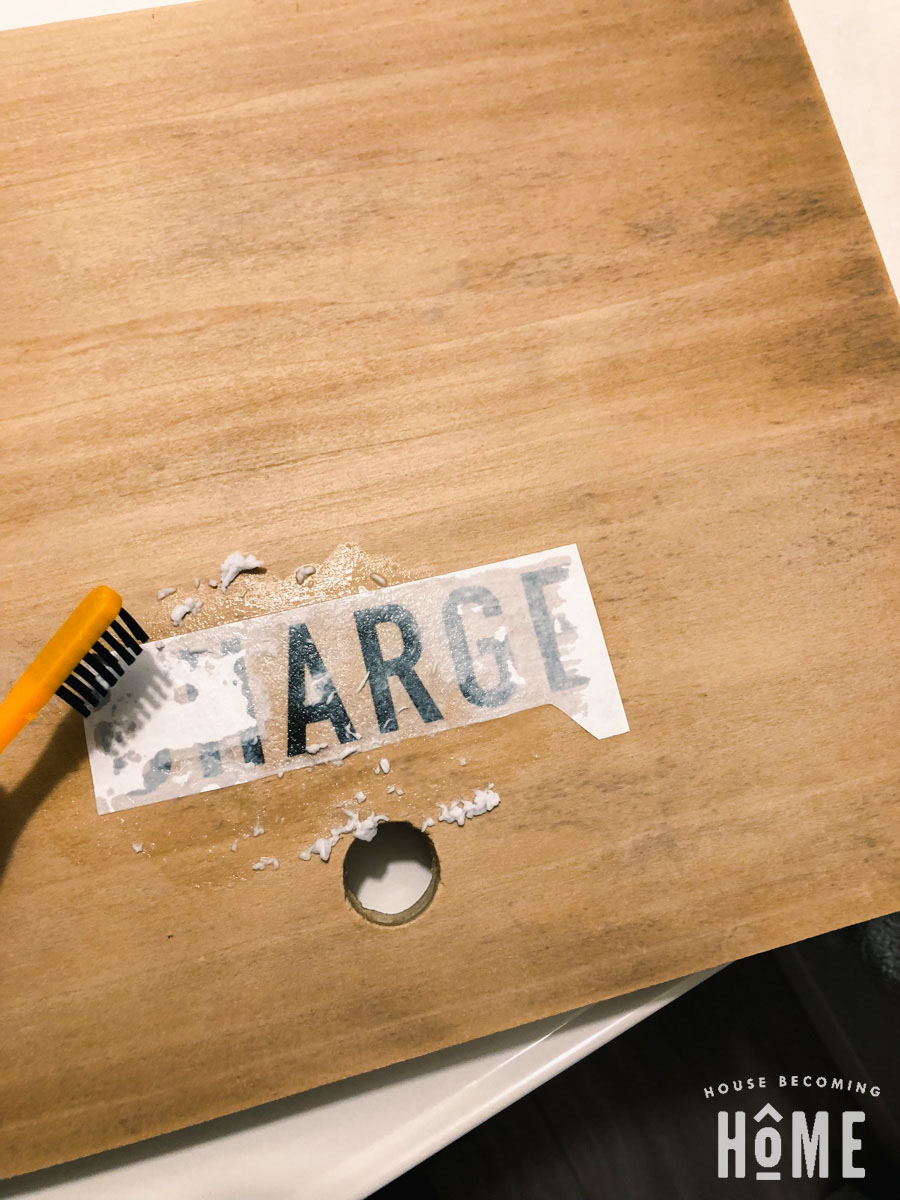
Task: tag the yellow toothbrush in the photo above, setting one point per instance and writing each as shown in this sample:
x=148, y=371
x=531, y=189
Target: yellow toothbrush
x=80, y=663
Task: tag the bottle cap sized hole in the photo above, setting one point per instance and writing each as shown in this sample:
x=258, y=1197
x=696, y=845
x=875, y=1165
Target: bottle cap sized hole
x=393, y=878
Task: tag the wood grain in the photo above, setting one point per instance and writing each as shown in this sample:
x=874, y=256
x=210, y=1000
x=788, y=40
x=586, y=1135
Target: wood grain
x=454, y=283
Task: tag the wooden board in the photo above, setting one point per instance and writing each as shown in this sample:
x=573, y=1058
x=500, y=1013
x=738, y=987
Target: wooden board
x=453, y=284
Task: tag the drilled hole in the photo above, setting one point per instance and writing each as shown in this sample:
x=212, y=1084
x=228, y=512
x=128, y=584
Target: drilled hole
x=393, y=878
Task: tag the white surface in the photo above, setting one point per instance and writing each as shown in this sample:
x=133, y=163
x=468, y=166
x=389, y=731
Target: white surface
x=402, y=884
x=855, y=49
x=345, y=1140
x=14, y=14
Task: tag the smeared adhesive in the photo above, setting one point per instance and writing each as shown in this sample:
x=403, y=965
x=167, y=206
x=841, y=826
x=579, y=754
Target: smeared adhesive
x=427, y=823
x=303, y=573
x=257, y=829
x=163, y=592
x=137, y=847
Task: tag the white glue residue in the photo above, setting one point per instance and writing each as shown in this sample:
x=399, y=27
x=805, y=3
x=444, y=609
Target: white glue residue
x=163, y=592
x=457, y=813
x=460, y=811
x=264, y=862
x=303, y=573
x=180, y=611
x=365, y=830
x=235, y=563
x=322, y=847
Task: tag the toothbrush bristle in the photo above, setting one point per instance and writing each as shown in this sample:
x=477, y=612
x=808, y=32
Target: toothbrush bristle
x=104, y=664
x=73, y=701
x=137, y=630
x=114, y=644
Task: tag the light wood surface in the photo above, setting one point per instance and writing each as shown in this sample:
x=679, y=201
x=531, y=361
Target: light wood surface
x=452, y=283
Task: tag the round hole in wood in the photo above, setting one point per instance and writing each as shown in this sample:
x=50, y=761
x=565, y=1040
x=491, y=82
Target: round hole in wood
x=393, y=878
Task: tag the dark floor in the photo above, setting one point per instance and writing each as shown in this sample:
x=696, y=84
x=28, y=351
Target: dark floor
x=631, y=1122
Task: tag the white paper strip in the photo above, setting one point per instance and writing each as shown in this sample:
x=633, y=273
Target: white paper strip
x=19, y=14
x=242, y=701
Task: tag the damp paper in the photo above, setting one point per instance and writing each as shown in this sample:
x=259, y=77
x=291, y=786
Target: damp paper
x=315, y=684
